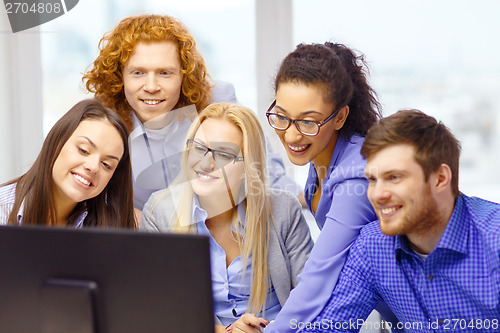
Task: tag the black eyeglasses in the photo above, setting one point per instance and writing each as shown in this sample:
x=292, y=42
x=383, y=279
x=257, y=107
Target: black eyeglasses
x=306, y=127
x=220, y=157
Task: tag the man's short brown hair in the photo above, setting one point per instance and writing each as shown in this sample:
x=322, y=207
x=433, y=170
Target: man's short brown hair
x=434, y=143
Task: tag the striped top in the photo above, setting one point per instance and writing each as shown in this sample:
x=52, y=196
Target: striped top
x=7, y=199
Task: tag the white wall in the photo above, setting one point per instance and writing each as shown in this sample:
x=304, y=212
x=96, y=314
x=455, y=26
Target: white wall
x=20, y=99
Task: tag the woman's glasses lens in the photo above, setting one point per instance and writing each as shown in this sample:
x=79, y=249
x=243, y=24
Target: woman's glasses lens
x=220, y=157
x=282, y=123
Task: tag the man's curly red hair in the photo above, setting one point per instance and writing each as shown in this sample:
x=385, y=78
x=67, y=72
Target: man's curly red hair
x=105, y=79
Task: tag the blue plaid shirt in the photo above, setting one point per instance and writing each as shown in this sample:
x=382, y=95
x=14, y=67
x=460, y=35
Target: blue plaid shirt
x=455, y=289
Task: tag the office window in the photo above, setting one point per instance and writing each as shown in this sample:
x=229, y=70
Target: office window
x=437, y=56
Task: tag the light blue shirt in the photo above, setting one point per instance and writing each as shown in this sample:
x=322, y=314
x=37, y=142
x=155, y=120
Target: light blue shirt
x=156, y=149
x=342, y=211
x=231, y=293
x=7, y=199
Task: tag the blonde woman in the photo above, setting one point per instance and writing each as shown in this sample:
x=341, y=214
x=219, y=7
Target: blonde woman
x=259, y=239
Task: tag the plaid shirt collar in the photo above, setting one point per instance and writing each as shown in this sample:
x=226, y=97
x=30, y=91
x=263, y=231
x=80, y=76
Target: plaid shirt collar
x=454, y=237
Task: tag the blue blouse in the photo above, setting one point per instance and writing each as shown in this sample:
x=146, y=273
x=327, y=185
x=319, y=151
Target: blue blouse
x=342, y=211
x=231, y=293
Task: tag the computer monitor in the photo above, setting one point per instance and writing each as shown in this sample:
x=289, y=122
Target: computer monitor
x=103, y=281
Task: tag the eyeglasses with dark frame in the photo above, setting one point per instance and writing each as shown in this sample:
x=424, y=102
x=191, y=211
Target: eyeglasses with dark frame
x=220, y=157
x=305, y=127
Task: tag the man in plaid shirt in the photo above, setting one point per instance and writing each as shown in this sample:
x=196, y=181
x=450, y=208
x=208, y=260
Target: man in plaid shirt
x=434, y=254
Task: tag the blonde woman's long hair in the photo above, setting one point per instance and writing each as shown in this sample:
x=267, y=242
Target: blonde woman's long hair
x=257, y=202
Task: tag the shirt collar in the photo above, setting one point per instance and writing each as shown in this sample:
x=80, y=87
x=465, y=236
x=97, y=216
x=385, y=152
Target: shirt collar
x=340, y=146
x=402, y=246
x=135, y=121
x=20, y=213
x=456, y=233
x=81, y=218
x=200, y=215
x=454, y=237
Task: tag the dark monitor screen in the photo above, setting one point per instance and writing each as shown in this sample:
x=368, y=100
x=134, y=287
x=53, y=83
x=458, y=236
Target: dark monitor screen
x=103, y=281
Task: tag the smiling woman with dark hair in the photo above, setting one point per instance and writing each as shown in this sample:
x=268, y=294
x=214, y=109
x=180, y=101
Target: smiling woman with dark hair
x=323, y=109
x=82, y=176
